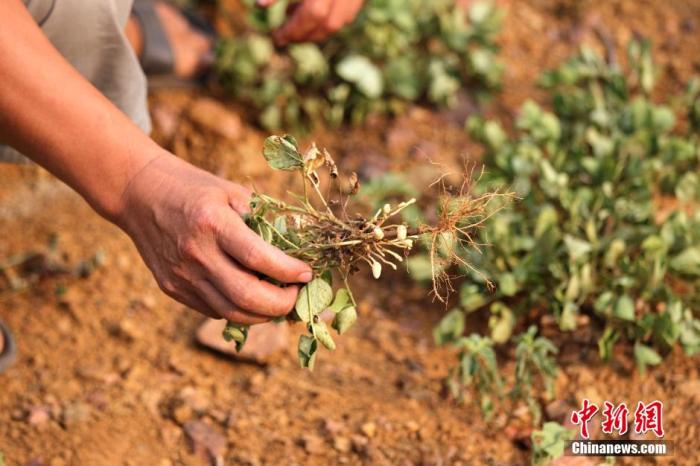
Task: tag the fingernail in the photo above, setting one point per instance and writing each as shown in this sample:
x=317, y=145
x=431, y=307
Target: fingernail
x=305, y=277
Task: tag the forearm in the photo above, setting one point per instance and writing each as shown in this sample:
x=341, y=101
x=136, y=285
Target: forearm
x=49, y=112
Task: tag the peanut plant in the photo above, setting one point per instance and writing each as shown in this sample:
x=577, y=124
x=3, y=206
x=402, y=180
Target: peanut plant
x=395, y=53
x=318, y=229
x=586, y=237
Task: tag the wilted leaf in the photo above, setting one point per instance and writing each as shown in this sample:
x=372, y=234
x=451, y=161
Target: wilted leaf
x=237, y=333
x=321, y=333
x=341, y=301
x=307, y=351
x=282, y=153
x=313, y=298
x=344, y=319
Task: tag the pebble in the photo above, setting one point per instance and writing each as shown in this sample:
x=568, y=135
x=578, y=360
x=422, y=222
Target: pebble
x=312, y=443
x=197, y=400
x=182, y=414
x=369, y=429
x=359, y=443
x=342, y=444
x=333, y=427
x=413, y=426
x=75, y=413
x=38, y=415
x=204, y=439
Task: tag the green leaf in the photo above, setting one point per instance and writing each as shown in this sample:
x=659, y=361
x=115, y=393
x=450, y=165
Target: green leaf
x=687, y=262
x=309, y=60
x=450, y=327
x=688, y=188
x=507, y=284
x=471, y=297
x=344, y=319
x=624, y=308
x=341, y=301
x=313, y=298
x=419, y=267
x=322, y=334
x=645, y=356
x=307, y=349
x=237, y=333
x=364, y=74
x=281, y=153
x=549, y=443
x=606, y=343
x=501, y=322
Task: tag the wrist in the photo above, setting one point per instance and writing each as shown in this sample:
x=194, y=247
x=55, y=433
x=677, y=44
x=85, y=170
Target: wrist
x=110, y=198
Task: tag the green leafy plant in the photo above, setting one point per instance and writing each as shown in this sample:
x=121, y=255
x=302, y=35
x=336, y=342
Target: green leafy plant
x=477, y=368
x=549, y=443
x=318, y=229
x=534, y=359
x=395, y=52
x=584, y=238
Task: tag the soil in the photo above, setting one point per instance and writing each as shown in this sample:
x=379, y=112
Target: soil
x=109, y=373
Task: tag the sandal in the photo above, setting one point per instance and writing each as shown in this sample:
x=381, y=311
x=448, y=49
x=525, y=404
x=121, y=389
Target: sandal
x=8, y=348
x=157, y=57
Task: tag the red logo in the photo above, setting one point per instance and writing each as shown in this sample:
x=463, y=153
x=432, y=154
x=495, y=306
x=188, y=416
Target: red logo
x=583, y=416
x=615, y=418
x=649, y=418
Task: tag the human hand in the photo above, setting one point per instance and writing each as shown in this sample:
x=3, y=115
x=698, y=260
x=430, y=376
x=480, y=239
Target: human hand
x=187, y=226
x=314, y=20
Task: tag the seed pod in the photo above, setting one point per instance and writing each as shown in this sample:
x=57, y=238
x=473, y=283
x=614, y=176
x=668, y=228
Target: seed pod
x=378, y=233
x=401, y=232
x=376, y=269
x=386, y=208
x=407, y=243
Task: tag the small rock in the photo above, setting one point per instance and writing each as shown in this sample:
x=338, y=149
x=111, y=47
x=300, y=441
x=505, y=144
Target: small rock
x=312, y=443
x=204, y=440
x=75, y=413
x=333, y=427
x=182, y=414
x=413, y=426
x=129, y=330
x=38, y=415
x=195, y=399
x=369, y=429
x=359, y=443
x=35, y=462
x=211, y=115
x=266, y=342
x=342, y=444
